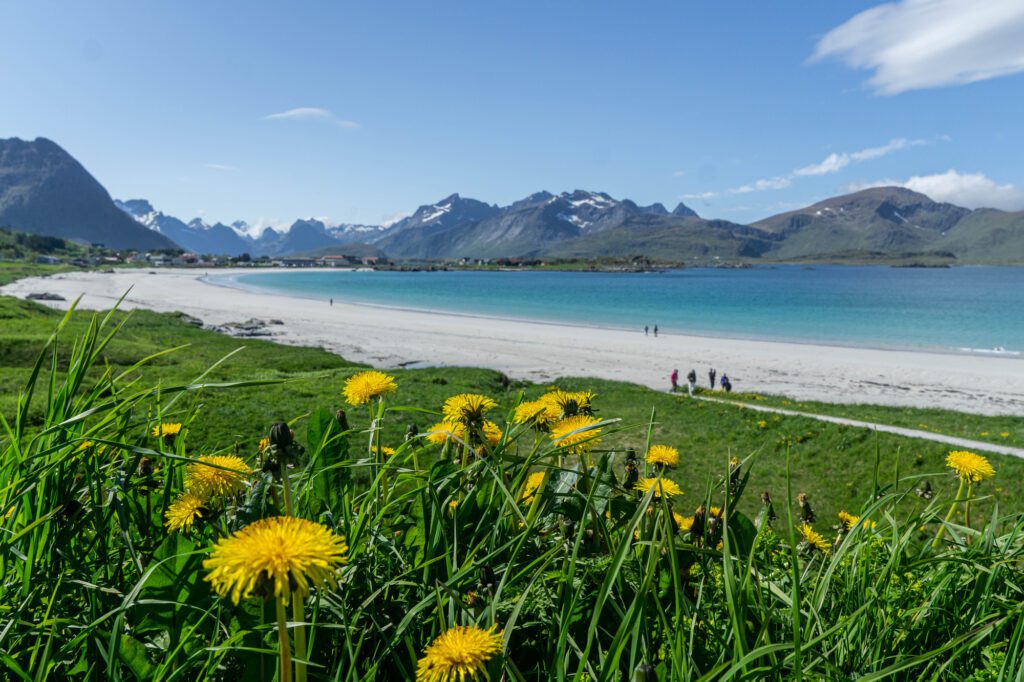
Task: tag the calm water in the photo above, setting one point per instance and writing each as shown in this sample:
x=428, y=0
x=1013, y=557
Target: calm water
x=967, y=307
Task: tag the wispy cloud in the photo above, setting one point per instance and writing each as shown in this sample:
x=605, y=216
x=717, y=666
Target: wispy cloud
x=312, y=113
x=973, y=190
x=833, y=163
x=678, y=174
x=699, y=196
x=221, y=167
x=918, y=44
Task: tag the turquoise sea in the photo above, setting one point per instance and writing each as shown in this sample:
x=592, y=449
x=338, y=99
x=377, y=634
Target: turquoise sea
x=980, y=308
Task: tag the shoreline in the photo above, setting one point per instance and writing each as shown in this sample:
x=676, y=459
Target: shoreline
x=543, y=351
x=1011, y=354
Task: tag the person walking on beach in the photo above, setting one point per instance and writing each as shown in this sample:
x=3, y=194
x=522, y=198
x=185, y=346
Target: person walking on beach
x=646, y=329
x=675, y=380
x=691, y=381
x=332, y=301
x=655, y=331
x=711, y=375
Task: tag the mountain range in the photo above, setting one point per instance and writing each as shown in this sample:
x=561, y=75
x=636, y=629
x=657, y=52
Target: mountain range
x=44, y=190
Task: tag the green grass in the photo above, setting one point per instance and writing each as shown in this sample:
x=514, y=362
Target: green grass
x=589, y=580
x=1000, y=430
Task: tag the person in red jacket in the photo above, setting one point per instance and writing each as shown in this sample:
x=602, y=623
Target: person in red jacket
x=675, y=380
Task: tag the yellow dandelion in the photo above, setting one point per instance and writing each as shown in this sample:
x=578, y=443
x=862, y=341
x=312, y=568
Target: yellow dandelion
x=216, y=475
x=813, y=539
x=467, y=408
x=264, y=444
x=277, y=557
x=562, y=404
x=683, y=523
x=984, y=433
x=452, y=506
x=167, y=431
x=530, y=488
x=1005, y=434
x=535, y=412
x=664, y=455
x=576, y=434
x=491, y=433
x=386, y=451
x=441, y=432
x=363, y=387
x=969, y=466
x=459, y=654
x=665, y=486
x=183, y=512
x=847, y=521
x=762, y=424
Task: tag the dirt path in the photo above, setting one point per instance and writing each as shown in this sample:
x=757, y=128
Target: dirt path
x=885, y=428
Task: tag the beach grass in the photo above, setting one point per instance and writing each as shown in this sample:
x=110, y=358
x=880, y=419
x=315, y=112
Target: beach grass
x=133, y=549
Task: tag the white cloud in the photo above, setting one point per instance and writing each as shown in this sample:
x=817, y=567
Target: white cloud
x=973, y=190
x=679, y=174
x=699, y=195
x=389, y=220
x=307, y=113
x=221, y=167
x=918, y=44
x=833, y=163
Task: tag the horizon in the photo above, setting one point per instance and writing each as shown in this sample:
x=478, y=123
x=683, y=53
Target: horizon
x=349, y=114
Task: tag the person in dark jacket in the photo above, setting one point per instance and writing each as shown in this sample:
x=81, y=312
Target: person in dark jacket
x=691, y=382
x=711, y=375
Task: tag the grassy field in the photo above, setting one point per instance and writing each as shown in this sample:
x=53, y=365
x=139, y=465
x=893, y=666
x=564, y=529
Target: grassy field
x=528, y=554
x=1000, y=430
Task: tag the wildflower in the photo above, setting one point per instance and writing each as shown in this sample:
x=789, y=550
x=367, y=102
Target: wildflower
x=471, y=598
x=183, y=512
x=683, y=523
x=535, y=412
x=277, y=557
x=216, y=475
x=812, y=539
x=806, y=512
x=663, y=456
x=563, y=404
x=458, y=654
x=665, y=487
x=452, y=506
x=762, y=424
x=264, y=444
x=847, y=521
x=576, y=434
x=530, y=488
x=491, y=433
x=1005, y=434
x=467, y=408
x=969, y=466
x=363, y=387
x=441, y=432
x=166, y=431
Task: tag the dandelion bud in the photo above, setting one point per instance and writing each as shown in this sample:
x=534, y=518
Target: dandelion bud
x=411, y=432
x=806, y=512
x=766, y=500
x=697, y=529
x=280, y=435
x=342, y=419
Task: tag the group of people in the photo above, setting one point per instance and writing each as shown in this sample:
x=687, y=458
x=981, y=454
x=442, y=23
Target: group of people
x=691, y=380
x=647, y=330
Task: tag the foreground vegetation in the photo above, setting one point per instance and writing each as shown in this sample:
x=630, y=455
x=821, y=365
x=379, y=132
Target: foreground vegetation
x=149, y=532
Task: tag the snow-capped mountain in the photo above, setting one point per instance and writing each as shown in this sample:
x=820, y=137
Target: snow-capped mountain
x=240, y=237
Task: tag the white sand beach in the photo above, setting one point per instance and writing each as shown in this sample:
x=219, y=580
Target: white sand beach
x=386, y=337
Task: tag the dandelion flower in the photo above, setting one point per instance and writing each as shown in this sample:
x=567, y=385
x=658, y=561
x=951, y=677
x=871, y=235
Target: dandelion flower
x=363, y=387
x=683, y=523
x=762, y=424
x=1005, y=434
x=665, y=487
x=813, y=539
x=264, y=444
x=535, y=412
x=459, y=654
x=216, y=475
x=491, y=432
x=467, y=408
x=576, y=434
x=386, y=451
x=563, y=404
x=452, y=506
x=167, y=431
x=664, y=455
x=530, y=488
x=969, y=466
x=847, y=521
x=279, y=557
x=441, y=432
x=183, y=512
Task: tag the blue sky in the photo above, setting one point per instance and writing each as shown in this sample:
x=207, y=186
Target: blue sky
x=269, y=111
